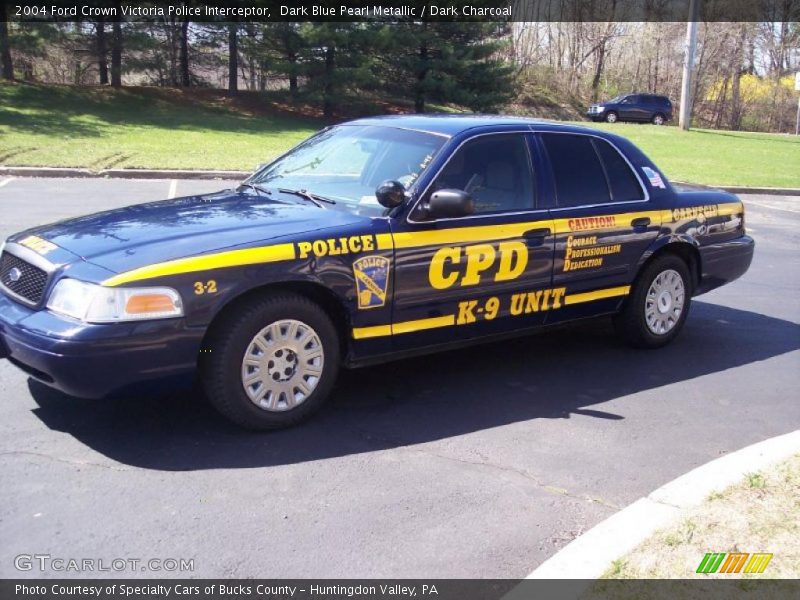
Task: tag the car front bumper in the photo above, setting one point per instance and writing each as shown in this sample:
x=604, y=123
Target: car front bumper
x=723, y=262
x=97, y=361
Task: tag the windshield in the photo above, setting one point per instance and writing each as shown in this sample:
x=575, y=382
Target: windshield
x=615, y=99
x=346, y=163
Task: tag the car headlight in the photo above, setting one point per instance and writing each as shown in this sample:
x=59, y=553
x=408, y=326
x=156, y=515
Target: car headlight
x=98, y=304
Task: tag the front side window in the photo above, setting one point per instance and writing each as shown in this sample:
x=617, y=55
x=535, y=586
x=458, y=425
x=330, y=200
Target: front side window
x=347, y=163
x=495, y=170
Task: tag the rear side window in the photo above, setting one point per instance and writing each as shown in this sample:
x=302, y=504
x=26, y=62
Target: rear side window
x=624, y=185
x=577, y=172
x=589, y=170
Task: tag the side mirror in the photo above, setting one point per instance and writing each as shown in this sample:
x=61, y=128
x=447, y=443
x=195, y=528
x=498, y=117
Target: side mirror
x=390, y=193
x=450, y=203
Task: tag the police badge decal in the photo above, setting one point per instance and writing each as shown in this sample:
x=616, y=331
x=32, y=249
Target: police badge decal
x=372, y=280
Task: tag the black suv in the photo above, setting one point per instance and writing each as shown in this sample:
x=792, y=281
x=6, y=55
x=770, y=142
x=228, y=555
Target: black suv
x=644, y=108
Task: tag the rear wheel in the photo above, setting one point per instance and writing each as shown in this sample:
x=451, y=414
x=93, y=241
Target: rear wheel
x=611, y=117
x=658, y=119
x=658, y=305
x=271, y=362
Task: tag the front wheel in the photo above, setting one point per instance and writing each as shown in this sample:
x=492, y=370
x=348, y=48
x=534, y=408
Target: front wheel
x=270, y=362
x=611, y=117
x=658, y=305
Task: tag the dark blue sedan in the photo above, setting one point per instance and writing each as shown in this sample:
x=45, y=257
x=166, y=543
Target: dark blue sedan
x=373, y=240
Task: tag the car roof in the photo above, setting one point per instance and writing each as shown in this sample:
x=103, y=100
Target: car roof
x=648, y=94
x=454, y=124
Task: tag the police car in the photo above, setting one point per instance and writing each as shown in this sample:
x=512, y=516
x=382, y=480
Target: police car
x=375, y=239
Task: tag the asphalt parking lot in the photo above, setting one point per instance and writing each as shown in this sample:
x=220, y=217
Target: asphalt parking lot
x=480, y=462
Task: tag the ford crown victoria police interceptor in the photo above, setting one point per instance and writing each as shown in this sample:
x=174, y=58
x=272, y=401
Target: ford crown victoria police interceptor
x=372, y=240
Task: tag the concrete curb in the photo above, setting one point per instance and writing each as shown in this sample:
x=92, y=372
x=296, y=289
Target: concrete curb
x=762, y=190
x=200, y=174
x=121, y=173
x=591, y=554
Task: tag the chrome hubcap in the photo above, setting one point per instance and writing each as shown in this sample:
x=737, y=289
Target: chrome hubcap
x=664, y=303
x=282, y=365
x=612, y=118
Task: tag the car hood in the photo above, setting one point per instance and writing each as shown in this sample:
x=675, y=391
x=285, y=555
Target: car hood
x=134, y=236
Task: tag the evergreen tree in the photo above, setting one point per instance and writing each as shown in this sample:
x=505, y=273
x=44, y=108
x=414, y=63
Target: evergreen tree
x=285, y=45
x=338, y=61
x=450, y=62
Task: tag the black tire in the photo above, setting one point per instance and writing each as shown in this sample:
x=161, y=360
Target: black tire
x=631, y=322
x=612, y=117
x=659, y=119
x=221, y=366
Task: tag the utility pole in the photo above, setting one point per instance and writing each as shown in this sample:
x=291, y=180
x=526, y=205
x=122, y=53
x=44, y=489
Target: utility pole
x=797, y=89
x=688, y=66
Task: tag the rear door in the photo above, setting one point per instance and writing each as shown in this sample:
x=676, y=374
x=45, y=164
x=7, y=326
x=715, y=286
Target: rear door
x=461, y=278
x=603, y=220
x=642, y=108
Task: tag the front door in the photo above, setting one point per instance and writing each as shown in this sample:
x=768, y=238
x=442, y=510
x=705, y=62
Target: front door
x=487, y=273
x=630, y=108
x=603, y=219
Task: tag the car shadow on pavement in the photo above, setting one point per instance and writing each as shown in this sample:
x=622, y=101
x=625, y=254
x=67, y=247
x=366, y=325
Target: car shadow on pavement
x=549, y=376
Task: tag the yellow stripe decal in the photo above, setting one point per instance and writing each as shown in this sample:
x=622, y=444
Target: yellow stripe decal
x=360, y=333
x=483, y=233
x=384, y=241
x=597, y=295
x=420, y=324
x=408, y=239
x=732, y=208
x=233, y=258
x=458, y=235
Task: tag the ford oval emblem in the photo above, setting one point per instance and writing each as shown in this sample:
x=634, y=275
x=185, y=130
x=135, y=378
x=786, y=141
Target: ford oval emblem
x=14, y=275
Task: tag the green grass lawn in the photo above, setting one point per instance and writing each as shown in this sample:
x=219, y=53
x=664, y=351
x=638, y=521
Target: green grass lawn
x=101, y=128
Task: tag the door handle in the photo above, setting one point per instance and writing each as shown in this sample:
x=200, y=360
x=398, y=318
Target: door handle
x=535, y=237
x=640, y=223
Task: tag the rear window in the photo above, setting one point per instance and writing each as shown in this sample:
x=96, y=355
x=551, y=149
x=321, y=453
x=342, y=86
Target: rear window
x=624, y=185
x=577, y=172
x=589, y=170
